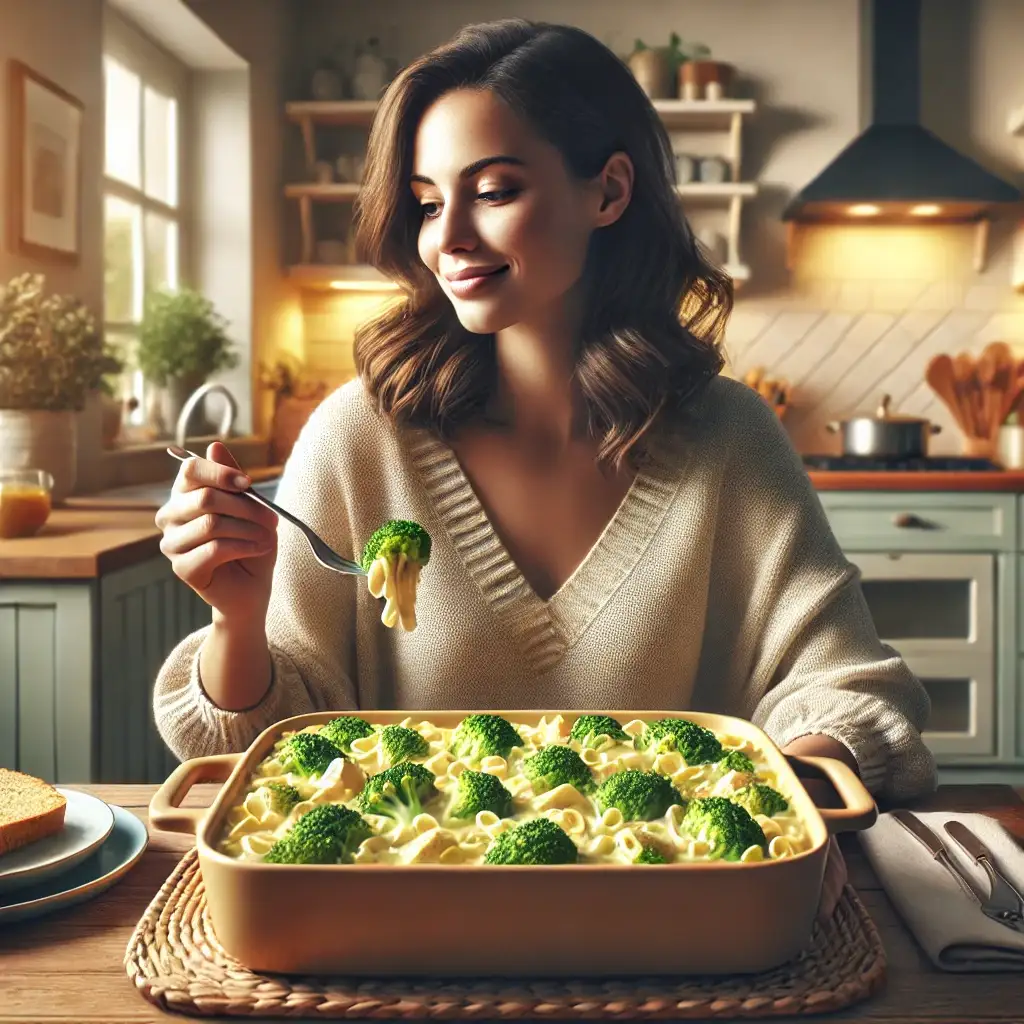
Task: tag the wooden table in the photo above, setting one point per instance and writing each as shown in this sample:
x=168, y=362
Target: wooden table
x=68, y=967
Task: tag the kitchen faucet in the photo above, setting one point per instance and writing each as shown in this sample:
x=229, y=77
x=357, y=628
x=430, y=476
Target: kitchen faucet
x=227, y=420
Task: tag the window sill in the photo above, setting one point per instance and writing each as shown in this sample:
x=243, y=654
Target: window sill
x=149, y=462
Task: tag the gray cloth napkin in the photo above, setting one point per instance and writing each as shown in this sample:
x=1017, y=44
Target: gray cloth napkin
x=946, y=922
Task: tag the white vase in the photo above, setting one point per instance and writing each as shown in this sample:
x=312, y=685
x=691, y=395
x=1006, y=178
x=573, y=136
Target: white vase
x=39, y=439
x=370, y=77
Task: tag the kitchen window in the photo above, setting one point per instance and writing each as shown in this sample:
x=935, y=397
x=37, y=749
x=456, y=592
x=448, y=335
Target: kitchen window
x=145, y=231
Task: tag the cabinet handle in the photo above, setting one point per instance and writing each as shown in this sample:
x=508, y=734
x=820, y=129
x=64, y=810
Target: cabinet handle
x=908, y=520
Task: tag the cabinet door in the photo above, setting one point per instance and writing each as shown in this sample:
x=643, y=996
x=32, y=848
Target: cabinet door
x=929, y=604
x=937, y=610
x=47, y=722
x=144, y=611
x=963, y=716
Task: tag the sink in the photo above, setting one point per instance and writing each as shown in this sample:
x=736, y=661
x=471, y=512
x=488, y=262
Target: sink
x=153, y=495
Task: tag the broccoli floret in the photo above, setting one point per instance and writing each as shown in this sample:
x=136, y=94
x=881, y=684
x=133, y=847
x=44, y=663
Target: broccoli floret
x=402, y=744
x=587, y=728
x=638, y=795
x=282, y=797
x=398, y=792
x=308, y=753
x=736, y=761
x=480, y=736
x=480, y=791
x=395, y=537
x=759, y=798
x=537, y=841
x=342, y=731
x=650, y=855
x=726, y=825
x=328, y=834
x=696, y=744
x=556, y=765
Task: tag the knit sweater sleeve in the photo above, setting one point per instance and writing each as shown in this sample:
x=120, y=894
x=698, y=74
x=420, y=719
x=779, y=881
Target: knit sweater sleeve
x=800, y=642
x=310, y=620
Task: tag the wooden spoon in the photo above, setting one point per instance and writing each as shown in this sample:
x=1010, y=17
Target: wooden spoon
x=966, y=380
x=941, y=378
x=987, y=369
x=1005, y=372
x=1016, y=388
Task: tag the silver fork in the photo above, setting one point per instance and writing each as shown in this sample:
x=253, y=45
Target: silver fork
x=325, y=555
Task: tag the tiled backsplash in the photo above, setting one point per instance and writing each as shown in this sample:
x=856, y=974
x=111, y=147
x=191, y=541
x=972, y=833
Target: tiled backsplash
x=866, y=310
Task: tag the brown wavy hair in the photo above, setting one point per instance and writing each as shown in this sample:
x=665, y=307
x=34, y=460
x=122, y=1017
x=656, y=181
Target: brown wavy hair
x=655, y=306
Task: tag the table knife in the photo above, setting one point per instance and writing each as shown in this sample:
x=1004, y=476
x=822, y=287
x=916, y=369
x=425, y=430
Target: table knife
x=920, y=831
x=1004, y=902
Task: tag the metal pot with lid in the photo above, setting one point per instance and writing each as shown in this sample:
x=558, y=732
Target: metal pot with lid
x=885, y=435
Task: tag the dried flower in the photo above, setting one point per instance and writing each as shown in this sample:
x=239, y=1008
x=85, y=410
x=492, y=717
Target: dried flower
x=51, y=352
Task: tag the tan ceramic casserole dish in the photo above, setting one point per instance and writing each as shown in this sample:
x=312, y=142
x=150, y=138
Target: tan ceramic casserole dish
x=477, y=920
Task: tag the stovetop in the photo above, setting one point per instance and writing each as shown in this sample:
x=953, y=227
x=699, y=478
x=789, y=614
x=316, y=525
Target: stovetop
x=870, y=463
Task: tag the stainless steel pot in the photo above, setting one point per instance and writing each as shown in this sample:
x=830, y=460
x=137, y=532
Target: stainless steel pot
x=885, y=435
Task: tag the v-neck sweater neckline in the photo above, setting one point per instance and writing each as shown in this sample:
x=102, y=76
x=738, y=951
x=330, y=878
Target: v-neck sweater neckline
x=544, y=629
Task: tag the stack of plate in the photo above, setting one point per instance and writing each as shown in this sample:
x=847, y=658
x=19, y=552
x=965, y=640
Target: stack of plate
x=97, y=845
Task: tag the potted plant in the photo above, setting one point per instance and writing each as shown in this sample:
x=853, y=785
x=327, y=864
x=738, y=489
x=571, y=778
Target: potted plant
x=657, y=69
x=52, y=356
x=182, y=342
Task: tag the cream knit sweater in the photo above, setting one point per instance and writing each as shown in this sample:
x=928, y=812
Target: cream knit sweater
x=717, y=586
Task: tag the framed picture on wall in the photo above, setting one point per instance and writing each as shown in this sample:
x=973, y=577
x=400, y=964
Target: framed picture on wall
x=45, y=152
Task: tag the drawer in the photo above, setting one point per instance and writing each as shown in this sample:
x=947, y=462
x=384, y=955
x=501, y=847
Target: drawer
x=930, y=604
x=922, y=521
x=963, y=694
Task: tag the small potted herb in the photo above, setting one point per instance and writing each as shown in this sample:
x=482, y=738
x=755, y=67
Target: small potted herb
x=182, y=342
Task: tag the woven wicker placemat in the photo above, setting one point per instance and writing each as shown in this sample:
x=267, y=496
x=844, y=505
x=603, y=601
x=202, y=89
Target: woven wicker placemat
x=176, y=962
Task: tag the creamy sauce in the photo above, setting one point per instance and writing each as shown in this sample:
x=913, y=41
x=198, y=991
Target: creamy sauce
x=434, y=837
x=395, y=579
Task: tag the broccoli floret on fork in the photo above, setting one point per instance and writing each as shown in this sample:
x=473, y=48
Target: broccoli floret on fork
x=392, y=559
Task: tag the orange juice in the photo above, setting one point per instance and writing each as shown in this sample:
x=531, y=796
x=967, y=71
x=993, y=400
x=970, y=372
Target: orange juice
x=23, y=509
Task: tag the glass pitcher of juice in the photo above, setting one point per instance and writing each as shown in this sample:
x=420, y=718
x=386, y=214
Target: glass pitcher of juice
x=24, y=501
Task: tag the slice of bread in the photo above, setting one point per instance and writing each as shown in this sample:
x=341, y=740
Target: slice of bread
x=30, y=809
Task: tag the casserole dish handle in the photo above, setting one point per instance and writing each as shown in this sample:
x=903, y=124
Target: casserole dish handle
x=858, y=811
x=164, y=812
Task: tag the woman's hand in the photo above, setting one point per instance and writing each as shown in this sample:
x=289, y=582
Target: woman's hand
x=223, y=545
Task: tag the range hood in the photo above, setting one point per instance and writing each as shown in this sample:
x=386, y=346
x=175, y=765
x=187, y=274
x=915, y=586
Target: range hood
x=897, y=170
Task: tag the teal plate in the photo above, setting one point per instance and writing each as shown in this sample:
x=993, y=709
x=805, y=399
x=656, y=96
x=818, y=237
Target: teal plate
x=116, y=857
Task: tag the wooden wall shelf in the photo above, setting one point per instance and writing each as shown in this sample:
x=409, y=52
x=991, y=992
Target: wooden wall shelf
x=678, y=116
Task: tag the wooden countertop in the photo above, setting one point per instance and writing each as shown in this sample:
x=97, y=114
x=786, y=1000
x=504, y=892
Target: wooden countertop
x=82, y=544
x=91, y=535
x=68, y=967
x=917, y=480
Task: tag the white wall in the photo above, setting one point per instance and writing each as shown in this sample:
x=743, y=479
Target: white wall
x=261, y=32
x=60, y=39
x=223, y=221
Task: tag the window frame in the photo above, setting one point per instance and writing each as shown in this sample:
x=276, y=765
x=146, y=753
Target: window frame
x=163, y=73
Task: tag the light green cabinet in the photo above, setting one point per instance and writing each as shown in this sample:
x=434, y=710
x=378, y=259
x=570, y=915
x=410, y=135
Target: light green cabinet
x=47, y=710
x=77, y=665
x=941, y=573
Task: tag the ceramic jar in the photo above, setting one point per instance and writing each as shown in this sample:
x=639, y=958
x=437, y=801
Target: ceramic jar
x=653, y=72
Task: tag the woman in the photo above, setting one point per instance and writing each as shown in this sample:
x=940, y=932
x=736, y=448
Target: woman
x=614, y=525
